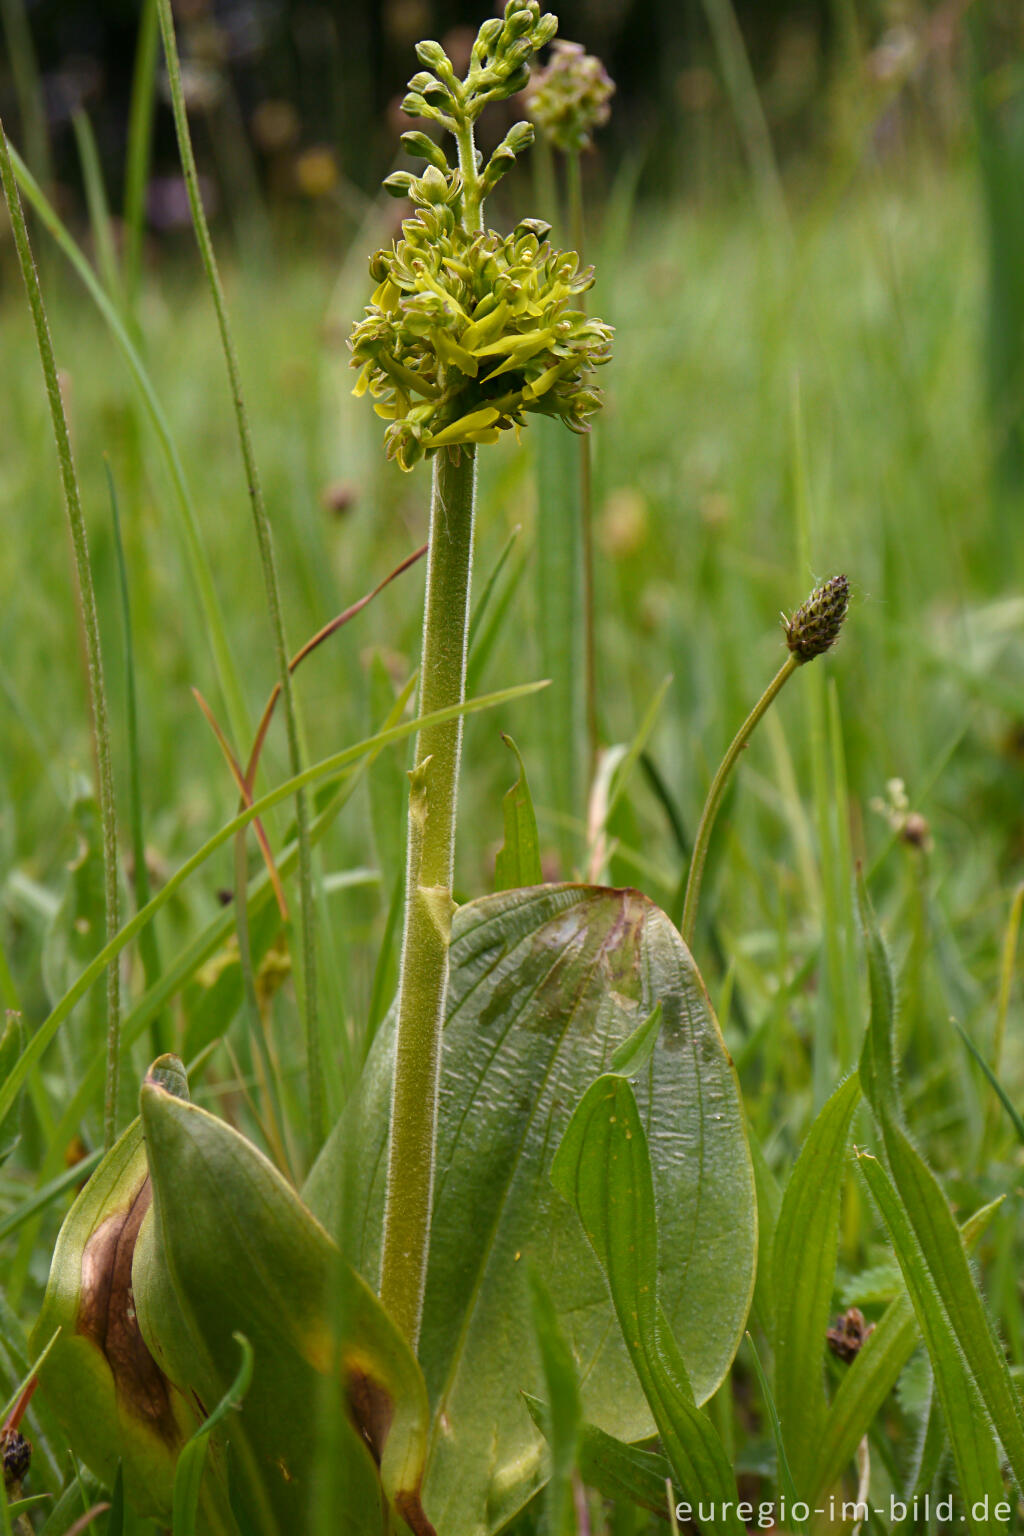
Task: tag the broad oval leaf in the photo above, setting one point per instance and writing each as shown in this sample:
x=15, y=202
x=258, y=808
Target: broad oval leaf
x=229, y=1248
x=546, y=984
x=603, y=1169
x=103, y=1383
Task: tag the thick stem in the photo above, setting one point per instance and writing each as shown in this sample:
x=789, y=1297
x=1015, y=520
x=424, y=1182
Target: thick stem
x=717, y=790
x=472, y=202
x=423, y=982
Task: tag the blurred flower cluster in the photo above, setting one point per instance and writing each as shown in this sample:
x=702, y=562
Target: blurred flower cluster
x=570, y=96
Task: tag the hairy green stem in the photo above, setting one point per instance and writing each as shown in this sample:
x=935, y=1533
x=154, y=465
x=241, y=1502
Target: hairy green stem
x=423, y=980
x=314, y=1070
x=90, y=621
x=472, y=202
x=717, y=790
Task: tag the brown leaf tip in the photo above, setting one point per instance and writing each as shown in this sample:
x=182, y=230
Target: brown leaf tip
x=814, y=627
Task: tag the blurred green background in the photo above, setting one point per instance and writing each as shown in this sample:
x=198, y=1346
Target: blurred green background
x=808, y=225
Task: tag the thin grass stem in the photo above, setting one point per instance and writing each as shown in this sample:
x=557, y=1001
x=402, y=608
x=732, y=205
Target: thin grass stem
x=182, y=968
x=149, y=950
x=574, y=190
x=90, y=620
x=329, y=768
x=261, y=523
x=28, y=86
x=140, y=143
x=1007, y=967
x=196, y=557
x=96, y=201
x=718, y=786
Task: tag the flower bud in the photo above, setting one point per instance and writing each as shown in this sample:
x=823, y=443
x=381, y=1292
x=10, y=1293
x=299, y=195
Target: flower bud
x=432, y=55
x=488, y=35
x=399, y=183
x=16, y=1453
x=413, y=105
x=424, y=148
x=520, y=22
x=814, y=627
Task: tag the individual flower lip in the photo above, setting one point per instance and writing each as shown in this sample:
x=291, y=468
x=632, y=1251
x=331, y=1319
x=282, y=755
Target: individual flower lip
x=814, y=627
x=467, y=333
x=570, y=96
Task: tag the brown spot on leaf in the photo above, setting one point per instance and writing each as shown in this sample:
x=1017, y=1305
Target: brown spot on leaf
x=371, y=1407
x=410, y=1507
x=106, y=1316
x=373, y=1411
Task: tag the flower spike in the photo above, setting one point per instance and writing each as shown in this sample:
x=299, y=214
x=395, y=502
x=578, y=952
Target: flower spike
x=468, y=330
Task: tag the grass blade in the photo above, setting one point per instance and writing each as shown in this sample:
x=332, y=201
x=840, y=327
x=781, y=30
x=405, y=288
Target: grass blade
x=785, y=1473
x=564, y=1415
x=970, y=1430
x=616, y=1470
x=261, y=524
x=873, y=1375
x=559, y=626
x=188, y=1474
x=96, y=201
x=140, y=144
x=603, y=1169
x=329, y=768
x=28, y=86
x=804, y=1265
x=994, y=1083
x=148, y=947
x=930, y=1220
x=90, y=620
x=518, y=860
x=928, y=1241
x=41, y=1198
x=195, y=554
x=206, y=944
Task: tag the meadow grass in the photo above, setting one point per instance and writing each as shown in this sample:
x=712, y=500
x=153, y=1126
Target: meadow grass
x=783, y=405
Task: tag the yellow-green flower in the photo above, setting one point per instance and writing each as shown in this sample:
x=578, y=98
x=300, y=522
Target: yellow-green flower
x=467, y=333
x=468, y=330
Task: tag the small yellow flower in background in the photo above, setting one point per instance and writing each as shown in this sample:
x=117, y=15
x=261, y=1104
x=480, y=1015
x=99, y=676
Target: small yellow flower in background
x=316, y=171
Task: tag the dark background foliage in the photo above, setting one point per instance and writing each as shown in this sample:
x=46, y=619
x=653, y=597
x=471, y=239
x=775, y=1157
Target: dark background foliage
x=277, y=79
